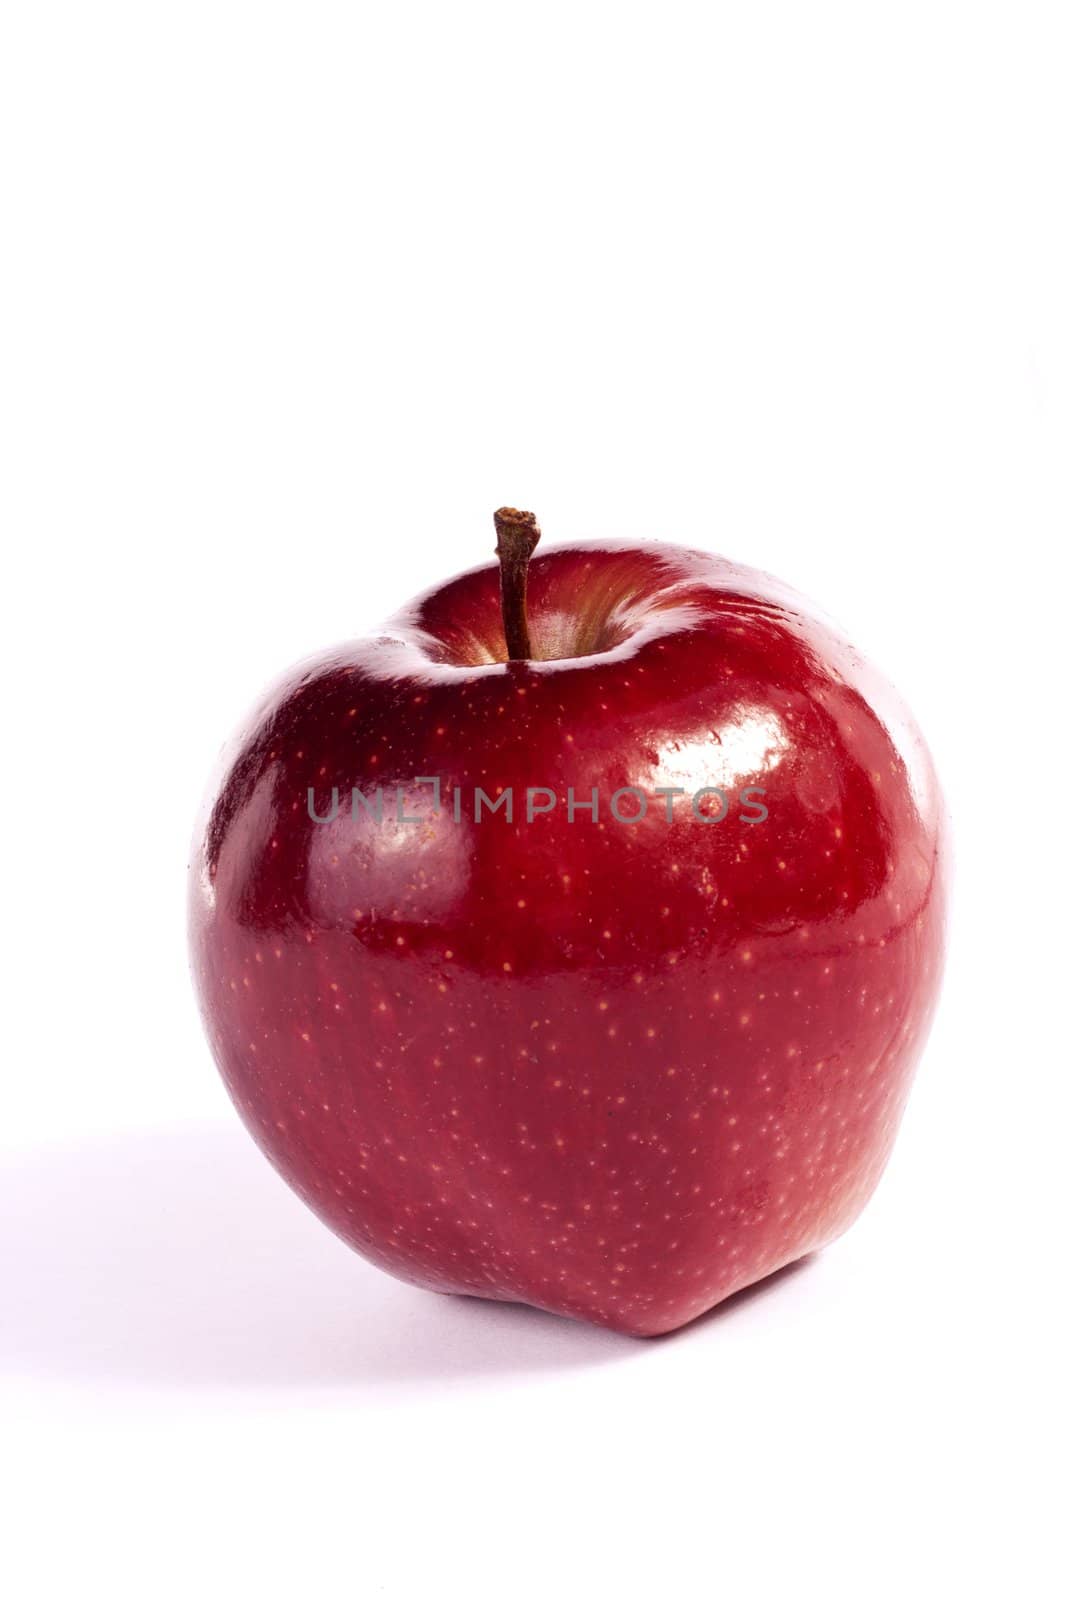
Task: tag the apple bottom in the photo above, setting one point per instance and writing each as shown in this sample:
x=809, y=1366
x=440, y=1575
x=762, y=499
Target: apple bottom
x=624, y=1149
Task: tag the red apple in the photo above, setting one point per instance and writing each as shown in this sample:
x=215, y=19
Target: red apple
x=618, y=1066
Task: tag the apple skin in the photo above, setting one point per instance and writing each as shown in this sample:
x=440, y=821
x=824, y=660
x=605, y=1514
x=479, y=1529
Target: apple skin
x=616, y=1070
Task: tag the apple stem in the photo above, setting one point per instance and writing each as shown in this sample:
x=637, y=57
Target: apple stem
x=517, y=534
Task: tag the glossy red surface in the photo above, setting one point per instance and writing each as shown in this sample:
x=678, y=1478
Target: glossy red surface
x=618, y=1070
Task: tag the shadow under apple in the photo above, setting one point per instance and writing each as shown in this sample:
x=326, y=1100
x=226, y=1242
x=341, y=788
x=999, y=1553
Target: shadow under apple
x=177, y=1257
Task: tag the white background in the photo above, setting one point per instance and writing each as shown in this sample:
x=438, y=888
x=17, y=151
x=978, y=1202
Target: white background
x=293, y=297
